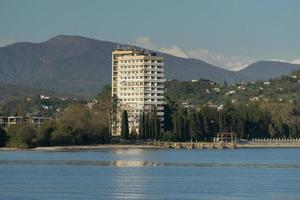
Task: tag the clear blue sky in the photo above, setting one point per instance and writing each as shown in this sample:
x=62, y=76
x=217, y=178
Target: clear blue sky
x=234, y=29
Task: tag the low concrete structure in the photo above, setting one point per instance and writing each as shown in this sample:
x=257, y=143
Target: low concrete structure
x=226, y=137
x=12, y=120
x=193, y=145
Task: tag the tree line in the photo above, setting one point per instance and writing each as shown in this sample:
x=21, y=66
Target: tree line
x=247, y=121
x=181, y=124
x=80, y=125
x=149, y=127
x=77, y=126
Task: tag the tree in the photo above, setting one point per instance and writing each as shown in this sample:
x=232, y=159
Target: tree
x=133, y=135
x=168, y=124
x=44, y=134
x=3, y=137
x=201, y=125
x=104, y=106
x=78, y=125
x=180, y=128
x=221, y=121
x=105, y=95
x=142, y=126
x=147, y=126
x=206, y=122
x=225, y=84
x=156, y=129
x=21, y=136
x=175, y=126
x=185, y=130
x=150, y=126
x=169, y=136
x=124, y=125
x=193, y=125
x=272, y=130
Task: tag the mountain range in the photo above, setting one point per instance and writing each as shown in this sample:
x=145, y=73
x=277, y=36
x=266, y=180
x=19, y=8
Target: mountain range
x=81, y=66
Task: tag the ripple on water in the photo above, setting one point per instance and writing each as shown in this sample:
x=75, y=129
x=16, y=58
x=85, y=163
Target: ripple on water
x=128, y=163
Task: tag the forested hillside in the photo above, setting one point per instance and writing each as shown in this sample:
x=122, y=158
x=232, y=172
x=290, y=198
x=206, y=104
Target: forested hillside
x=285, y=89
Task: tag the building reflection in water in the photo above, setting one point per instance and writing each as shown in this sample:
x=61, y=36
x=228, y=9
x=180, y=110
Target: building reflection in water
x=128, y=151
x=131, y=163
x=131, y=174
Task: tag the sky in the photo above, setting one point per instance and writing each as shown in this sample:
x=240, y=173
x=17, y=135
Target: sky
x=227, y=33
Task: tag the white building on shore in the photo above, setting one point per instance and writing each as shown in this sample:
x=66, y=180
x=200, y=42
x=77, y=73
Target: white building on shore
x=137, y=86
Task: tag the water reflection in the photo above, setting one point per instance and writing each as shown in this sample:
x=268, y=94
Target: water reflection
x=130, y=186
x=151, y=174
x=128, y=151
x=130, y=163
x=126, y=163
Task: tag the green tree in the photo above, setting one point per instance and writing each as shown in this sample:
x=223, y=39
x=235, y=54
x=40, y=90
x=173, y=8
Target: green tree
x=105, y=95
x=156, y=129
x=168, y=124
x=124, y=125
x=133, y=135
x=3, y=137
x=142, y=126
x=272, y=130
x=221, y=121
x=78, y=125
x=169, y=136
x=21, y=136
x=147, y=126
x=193, y=125
x=175, y=126
x=44, y=134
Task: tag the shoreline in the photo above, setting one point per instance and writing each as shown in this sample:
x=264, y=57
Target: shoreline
x=83, y=147
x=267, y=146
x=140, y=146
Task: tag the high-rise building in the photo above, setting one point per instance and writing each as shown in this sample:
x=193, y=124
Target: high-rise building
x=137, y=87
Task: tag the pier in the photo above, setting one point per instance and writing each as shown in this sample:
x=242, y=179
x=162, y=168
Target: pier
x=193, y=145
x=254, y=143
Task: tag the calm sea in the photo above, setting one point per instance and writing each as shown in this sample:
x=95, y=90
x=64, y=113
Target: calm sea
x=151, y=174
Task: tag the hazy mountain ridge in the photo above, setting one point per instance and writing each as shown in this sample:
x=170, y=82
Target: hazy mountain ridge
x=264, y=70
x=81, y=66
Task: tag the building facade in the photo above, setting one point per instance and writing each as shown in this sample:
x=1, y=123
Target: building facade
x=137, y=87
x=13, y=120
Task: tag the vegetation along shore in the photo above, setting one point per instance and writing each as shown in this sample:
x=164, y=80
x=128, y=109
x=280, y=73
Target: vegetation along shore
x=194, y=111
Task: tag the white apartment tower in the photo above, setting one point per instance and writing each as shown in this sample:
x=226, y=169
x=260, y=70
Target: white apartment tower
x=137, y=86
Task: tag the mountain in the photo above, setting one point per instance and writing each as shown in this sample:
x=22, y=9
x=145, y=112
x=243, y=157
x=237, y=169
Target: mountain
x=65, y=64
x=264, y=70
x=81, y=66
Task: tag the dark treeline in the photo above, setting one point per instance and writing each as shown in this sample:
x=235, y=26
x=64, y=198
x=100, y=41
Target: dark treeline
x=248, y=121
x=149, y=127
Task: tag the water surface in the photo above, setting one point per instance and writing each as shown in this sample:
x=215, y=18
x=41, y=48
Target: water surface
x=151, y=174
